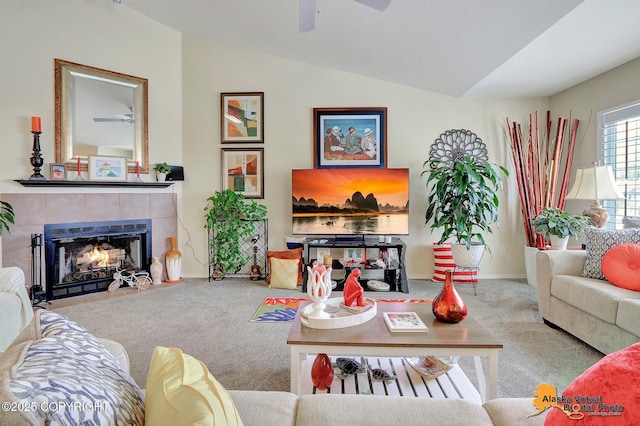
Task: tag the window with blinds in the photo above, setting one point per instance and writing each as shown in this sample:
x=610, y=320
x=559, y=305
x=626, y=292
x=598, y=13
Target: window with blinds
x=619, y=147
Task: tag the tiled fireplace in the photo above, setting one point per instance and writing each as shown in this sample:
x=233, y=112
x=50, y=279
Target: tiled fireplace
x=121, y=214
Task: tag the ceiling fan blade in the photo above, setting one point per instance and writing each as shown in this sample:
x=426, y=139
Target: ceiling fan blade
x=307, y=15
x=124, y=116
x=107, y=120
x=376, y=4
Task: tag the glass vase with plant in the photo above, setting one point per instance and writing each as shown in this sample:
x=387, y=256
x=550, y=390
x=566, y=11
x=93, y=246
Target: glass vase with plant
x=230, y=219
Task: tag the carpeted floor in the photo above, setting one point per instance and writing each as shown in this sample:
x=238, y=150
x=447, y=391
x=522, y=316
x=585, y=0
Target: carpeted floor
x=210, y=320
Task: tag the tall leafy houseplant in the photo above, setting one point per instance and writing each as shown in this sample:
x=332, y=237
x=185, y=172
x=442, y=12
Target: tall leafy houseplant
x=230, y=219
x=7, y=216
x=462, y=201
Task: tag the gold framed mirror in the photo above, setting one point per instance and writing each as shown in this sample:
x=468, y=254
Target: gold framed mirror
x=100, y=112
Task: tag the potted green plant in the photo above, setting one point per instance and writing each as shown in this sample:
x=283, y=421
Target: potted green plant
x=230, y=219
x=557, y=226
x=462, y=203
x=7, y=216
x=162, y=170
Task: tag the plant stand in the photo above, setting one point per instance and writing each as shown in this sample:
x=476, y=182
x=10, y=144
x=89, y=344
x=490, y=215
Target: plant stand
x=474, y=275
x=254, y=247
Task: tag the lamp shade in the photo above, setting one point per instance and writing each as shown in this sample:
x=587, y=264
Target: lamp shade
x=594, y=183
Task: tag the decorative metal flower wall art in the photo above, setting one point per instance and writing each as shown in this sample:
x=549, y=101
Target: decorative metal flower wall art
x=455, y=145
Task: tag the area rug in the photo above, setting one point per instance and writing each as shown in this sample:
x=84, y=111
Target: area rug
x=283, y=309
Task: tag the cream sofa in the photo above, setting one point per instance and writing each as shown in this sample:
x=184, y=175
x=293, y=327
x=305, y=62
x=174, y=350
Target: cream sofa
x=595, y=311
x=15, y=306
x=95, y=371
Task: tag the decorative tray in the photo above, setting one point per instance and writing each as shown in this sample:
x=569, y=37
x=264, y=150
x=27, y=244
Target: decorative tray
x=341, y=316
x=429, y=367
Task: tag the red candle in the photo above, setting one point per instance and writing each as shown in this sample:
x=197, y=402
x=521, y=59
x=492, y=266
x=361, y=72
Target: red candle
x=35, y=124
x=138, y=168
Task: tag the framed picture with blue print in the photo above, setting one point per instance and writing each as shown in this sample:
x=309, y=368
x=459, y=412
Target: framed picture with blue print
x=350, y=137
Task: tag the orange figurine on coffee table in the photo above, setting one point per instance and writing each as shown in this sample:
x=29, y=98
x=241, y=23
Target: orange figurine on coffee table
x=353, y=291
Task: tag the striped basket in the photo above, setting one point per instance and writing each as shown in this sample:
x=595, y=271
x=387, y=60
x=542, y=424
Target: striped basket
x=444, y=262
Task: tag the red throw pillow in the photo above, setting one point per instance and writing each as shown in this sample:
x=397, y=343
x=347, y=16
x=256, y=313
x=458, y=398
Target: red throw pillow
x=608, y=393
x=621, y=266
x=286, y=254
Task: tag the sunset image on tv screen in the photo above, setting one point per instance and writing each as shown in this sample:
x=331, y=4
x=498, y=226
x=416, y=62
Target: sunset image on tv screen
x=350, y=201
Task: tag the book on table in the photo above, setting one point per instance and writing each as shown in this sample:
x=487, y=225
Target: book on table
x=404, y=322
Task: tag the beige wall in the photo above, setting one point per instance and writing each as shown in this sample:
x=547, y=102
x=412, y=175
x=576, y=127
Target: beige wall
x=616, y=87
x=292, y=89
x=186, y=76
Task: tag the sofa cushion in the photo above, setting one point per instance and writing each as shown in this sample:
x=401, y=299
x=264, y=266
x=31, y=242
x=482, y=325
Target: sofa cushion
x=15, y=307
x=600, y=241
x=613, y=384
x=628, y=315
x=66, y=364
x=596, y=297
x=355, y=410
x=621, y=266
x=181, y=391
x=266, y=408
x=284, y=273
x=514, y=411
x=631, y=222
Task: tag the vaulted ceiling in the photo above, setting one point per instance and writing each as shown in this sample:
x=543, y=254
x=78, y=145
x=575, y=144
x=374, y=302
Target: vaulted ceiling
x=460, y=48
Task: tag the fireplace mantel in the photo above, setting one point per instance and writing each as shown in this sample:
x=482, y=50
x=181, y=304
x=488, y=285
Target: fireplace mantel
x=89, y=183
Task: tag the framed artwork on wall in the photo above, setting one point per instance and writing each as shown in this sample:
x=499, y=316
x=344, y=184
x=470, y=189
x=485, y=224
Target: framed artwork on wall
x=243, y=171
x=109, y=169
x=350, y=137
x=242, y=117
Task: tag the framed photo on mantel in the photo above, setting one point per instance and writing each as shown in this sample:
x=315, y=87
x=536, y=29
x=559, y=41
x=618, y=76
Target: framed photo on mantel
x=107, y=169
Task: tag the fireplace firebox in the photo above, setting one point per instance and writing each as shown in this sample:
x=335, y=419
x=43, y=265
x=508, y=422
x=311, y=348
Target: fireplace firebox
x=82, y=257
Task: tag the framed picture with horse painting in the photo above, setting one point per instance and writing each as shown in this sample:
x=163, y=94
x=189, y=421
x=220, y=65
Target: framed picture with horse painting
x=350, y=137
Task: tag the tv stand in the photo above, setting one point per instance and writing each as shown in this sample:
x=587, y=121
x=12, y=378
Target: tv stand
x=357, y=238
x=394, y=274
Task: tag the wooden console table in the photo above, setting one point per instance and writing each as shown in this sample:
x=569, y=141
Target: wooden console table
x=397, y=271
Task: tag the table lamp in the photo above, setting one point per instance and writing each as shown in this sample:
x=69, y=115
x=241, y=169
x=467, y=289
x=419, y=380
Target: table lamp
x=595, y=183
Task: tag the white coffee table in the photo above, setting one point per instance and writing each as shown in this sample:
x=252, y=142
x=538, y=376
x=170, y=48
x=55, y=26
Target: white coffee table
x=373, y=338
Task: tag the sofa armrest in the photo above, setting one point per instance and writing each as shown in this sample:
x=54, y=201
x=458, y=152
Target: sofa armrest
x=118, y=351
x=12, y=282
x=555, y=262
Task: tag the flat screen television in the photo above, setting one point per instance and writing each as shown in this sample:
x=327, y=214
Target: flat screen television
x=350, y=201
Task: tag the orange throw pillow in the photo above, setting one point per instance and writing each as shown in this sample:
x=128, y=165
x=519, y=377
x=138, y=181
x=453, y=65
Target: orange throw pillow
x=621, y=266
x=286, y=254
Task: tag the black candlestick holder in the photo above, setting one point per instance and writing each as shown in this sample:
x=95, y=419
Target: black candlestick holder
x=36, y=158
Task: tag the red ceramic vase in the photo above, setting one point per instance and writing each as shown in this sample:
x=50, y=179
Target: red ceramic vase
x=448, y=306
x=322, y=372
